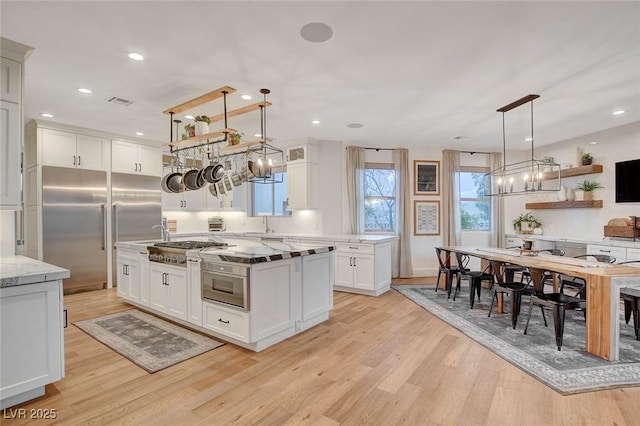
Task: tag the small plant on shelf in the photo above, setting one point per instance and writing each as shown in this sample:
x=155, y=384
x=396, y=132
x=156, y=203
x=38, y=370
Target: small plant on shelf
x=587, y=159
x=526, y=223
x=588, y=186
x=189, y=131
x=204, y=118
x=202, y=124
x=234, y=138
x=547, y=159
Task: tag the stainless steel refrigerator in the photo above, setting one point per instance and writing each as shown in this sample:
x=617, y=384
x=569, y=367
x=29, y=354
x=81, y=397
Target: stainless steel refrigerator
x=75, y=219
x=136, y=205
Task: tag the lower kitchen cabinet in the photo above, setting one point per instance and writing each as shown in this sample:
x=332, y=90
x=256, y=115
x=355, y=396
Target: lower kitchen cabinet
x=168, y=289
x=130, y=276
x=363, y=268
x=194, y=291
x=32, y=340
x=227, y=321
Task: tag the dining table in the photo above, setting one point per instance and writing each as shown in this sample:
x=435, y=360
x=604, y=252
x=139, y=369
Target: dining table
x=603, y=284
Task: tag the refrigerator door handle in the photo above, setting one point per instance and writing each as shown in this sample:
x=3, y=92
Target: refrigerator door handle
x=115, y=224
x=103, y=209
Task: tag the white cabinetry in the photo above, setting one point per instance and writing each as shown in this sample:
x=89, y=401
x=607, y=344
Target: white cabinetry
x=168, y=289
x=32, y=340
x=186, y=200
x=363, y=268
x=633, y=253
x=302, y=176
x=10, y=137
x=13, y=56
x=128, y=157
x=620, y=253
x=194, y=291
x=133, y=282
x=66, y=149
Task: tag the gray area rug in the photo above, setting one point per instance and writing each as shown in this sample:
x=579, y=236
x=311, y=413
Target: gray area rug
x=148, y=341
x=571, y=370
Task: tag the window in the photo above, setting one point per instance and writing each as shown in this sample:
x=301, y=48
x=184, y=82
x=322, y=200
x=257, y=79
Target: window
x=379, y=198
x=475, y=209
x=270, y=199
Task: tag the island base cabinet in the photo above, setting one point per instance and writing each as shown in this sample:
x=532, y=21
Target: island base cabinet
x=32, y=340
x=168, y=290
x=194, y=291
x=317, y=297
x=226, y=321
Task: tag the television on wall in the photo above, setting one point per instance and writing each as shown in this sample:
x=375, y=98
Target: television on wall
x=628, y=181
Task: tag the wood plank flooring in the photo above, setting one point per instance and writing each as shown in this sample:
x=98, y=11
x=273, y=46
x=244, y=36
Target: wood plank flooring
x=378, y=360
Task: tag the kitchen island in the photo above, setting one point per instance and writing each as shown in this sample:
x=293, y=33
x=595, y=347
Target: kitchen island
x=287, y=287
x=31, y=326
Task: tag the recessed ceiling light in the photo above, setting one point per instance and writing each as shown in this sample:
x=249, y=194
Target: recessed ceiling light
x=246, y=97
x=593, y=143
x=315, y=122
x=139, y=133
x=355, y=125
x=619, y=111
x=85, y=91
x=258, y=135
x=189, y=117
x=46, y=114
x=136, y=56
x=316, y=32
x=529, y=139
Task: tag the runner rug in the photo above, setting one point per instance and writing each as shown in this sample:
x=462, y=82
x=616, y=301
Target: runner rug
x=148, y=341
x=571, y=370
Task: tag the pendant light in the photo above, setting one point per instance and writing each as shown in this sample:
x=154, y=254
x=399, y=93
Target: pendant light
x=523, y=177
x=264, y=160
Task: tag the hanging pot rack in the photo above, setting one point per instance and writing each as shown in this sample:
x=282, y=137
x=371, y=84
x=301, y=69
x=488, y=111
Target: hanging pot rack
x=218, y=137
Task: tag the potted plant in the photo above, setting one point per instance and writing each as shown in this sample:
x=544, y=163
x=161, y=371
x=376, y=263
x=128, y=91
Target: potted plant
x=587, y=159
x=234, y=138
x=202, y=124
x=588, y=186
x=547, y=162
x=526, y=223
x=189, y=131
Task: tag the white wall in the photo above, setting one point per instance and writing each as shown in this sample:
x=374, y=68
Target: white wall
x=612, y=145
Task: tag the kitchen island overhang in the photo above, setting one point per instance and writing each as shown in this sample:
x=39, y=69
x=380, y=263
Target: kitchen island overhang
x=290, y=290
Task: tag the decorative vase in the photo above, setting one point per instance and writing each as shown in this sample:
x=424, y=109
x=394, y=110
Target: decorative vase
x=588, y=196
x=202, y=128
x=562, y=194
x=571, y=194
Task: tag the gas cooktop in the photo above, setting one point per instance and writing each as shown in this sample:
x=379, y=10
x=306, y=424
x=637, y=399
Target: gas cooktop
x=189, y=245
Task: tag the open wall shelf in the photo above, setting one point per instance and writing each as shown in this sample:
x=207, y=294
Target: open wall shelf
x=576, y=171
x=589, y=204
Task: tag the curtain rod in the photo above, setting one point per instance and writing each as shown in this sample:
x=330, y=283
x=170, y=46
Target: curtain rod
x=475, y=152
x=382, y=149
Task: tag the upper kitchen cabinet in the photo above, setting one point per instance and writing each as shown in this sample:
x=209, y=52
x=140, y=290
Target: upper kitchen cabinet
x=302, y=172
x=127, y=157
x=66, y=149
x=13, y=56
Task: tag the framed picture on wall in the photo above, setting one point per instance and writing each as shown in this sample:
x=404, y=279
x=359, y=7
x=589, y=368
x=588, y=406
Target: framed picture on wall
x=426, y=218
x=426, y=177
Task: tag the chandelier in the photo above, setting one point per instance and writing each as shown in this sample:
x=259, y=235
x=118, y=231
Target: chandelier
x=524, y=177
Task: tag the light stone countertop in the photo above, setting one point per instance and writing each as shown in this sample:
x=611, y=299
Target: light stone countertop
x=21, y=270
x=602, y=242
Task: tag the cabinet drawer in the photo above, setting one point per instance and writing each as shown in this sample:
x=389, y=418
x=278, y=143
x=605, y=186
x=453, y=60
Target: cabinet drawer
x=620, y=253
x=633, y=254
x=513, y=242
x=231, y=323
x=355, y=248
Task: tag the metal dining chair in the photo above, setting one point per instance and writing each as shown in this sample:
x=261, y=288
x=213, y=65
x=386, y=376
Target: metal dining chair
x=515, y=290
x=446, y=268
x=475, y=278
x=579, y=284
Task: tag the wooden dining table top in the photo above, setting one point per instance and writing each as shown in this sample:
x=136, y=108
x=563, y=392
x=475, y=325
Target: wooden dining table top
x=548, y=262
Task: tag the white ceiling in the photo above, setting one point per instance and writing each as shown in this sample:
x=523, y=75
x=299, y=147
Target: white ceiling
x=414, y=73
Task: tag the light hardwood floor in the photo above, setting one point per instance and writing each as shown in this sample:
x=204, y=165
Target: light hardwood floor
x=378, y=360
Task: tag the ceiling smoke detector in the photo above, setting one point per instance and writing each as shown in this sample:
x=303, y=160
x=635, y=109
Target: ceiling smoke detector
x=316, y=32
x=119, y=101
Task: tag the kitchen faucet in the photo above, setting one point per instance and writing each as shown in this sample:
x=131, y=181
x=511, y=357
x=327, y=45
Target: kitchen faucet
x=165, y=233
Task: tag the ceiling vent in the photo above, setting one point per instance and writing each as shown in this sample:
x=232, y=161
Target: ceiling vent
x=119, y=101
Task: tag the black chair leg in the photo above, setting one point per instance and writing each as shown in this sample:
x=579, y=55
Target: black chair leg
x=543, y=317
x=493, y=299
x=438, y=280
x=529, y=315
x=514, y=308
x=627, y=311
x=472, y=294
x=636, y=317
x=558, y=323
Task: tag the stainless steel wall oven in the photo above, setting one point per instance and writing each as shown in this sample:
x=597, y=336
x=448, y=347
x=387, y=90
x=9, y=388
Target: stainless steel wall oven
x=226, y=283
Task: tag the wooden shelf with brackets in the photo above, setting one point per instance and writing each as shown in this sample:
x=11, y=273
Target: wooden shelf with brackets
x=578, y=204
x=575, y=171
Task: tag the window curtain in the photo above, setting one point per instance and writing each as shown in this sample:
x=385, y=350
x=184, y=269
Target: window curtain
x=451, y=224
x=402, y=266
x=355, y=189
x=497, y=207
